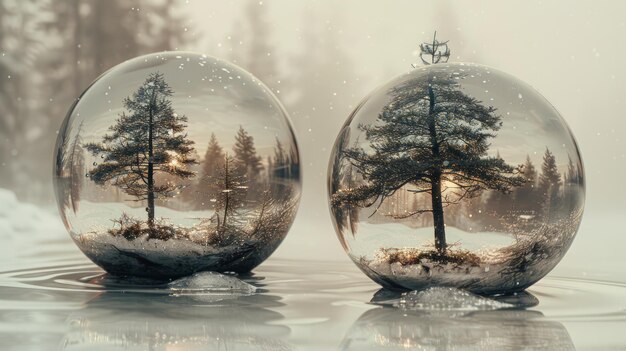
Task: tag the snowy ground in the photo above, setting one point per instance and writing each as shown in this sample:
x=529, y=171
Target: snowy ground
x=117, y=237
x=397, y=256
x=22, y=224
x=373, y=236
x=599, y=241
x=97, y=216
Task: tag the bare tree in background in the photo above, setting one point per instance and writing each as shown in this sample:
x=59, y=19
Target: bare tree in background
x=434, y=52
x=232, y=188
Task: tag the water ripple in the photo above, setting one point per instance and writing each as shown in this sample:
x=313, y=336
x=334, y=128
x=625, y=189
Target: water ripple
x=565, y=297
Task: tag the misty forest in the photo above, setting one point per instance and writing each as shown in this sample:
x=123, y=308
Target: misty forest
x=429, y=163
x=53, y=50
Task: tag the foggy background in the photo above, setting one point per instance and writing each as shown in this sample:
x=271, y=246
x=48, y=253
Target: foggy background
x=321, y=58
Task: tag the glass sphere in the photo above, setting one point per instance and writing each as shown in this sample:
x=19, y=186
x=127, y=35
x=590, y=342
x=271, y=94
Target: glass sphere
x=456, y=175
x=175, y=162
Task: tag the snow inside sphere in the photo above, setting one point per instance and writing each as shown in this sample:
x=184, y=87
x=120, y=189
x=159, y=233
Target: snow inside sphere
x=174, y=163
x=456, y=175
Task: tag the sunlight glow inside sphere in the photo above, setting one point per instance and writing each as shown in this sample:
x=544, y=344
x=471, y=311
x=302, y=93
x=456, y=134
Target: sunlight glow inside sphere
x=456, y=175
x=173, y=163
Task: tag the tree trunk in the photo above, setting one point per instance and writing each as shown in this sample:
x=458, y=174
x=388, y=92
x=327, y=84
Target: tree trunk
x=435, y=180
x=440, y=229
x=226, y=186
x=151, y=163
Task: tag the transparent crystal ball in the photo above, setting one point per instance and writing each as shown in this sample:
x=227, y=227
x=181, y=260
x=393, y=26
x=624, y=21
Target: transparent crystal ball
x=456, y=175
x=174, y=163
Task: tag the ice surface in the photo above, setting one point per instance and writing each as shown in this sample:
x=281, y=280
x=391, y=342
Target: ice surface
x=447, y=299
x=211, y=282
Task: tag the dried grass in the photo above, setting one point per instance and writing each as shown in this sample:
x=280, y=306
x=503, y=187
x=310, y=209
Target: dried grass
x=131, y=229
x=411, y=256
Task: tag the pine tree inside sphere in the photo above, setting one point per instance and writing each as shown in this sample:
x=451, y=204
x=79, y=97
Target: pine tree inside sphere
x=456, y=175
x=174, y=163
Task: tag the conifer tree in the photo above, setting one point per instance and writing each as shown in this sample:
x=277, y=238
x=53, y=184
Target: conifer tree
x=549, y=182
x=530, y=173
x=211, y=166
x=246, y=155
x=149, y=138
x=435, y=138
x=526, y=196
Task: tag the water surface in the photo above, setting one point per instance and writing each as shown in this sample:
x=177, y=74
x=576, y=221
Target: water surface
x=51, y=297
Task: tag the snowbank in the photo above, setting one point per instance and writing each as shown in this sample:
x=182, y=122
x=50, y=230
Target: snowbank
x=18, y=219
x=22, y=224
x=485, y=269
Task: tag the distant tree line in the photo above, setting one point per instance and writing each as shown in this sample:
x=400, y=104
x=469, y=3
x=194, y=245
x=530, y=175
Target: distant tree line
x=547, y=194
x=243, y=167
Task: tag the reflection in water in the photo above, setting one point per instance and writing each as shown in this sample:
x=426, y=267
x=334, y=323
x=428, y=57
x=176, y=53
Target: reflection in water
x=155, y=321
x=451, y=299
x=495, y=330
x=309, y=306
x=509, y=329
